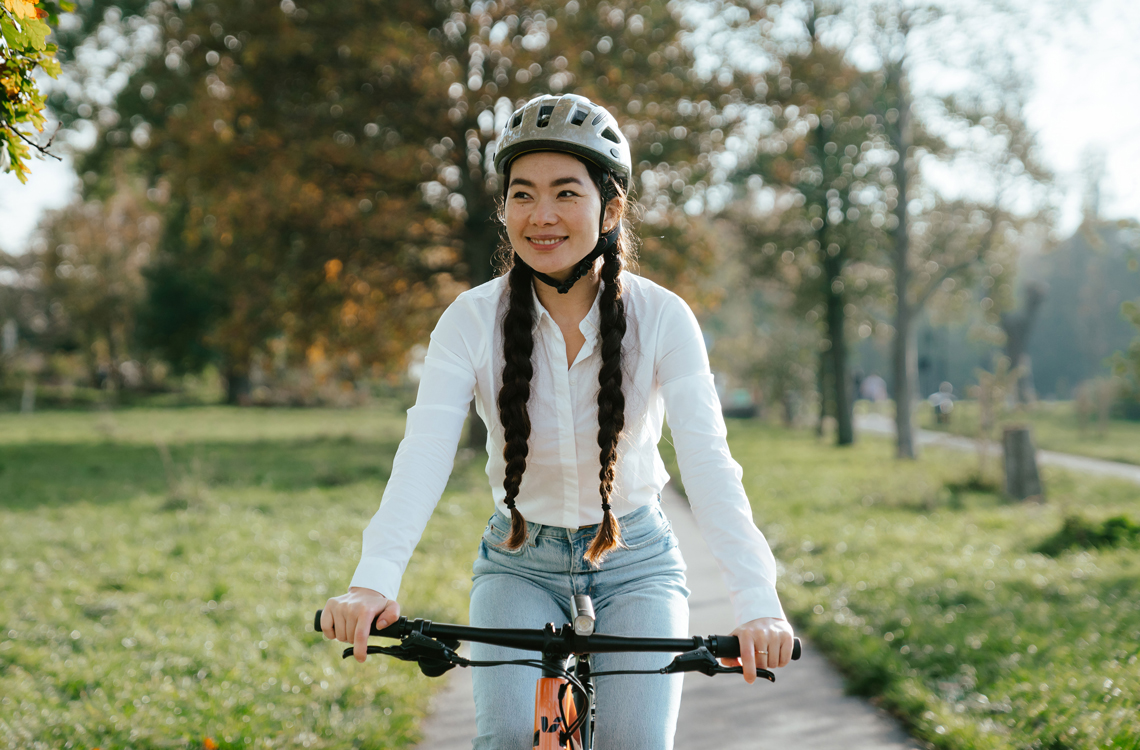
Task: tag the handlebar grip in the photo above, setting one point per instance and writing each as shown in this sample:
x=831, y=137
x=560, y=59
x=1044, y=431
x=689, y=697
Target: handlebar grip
x=728, y=646
x=395, y=630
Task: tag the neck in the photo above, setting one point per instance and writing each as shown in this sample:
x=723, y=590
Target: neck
x=577, y=302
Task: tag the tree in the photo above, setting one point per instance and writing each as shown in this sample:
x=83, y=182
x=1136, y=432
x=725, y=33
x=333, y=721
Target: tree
x=1127, y=363
x=326, y=171
x=88, y=277
x=24, y=49
x=1018, y=327
x=980, y=130
x=823, y=160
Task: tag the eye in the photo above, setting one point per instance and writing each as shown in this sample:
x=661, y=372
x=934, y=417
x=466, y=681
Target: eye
x=568, y=193
x=521, y=195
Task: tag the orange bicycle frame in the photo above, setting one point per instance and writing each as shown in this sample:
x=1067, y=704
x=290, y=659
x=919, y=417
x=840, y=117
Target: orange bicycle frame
x=552, y=700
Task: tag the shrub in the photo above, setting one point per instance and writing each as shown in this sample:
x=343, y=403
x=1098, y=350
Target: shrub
x=1077, y=532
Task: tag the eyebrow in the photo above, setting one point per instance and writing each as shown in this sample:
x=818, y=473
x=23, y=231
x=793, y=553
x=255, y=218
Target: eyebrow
x=553, y=183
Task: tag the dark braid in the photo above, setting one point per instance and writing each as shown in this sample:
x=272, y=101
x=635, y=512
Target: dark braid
x=518, y=344
x=611, y=403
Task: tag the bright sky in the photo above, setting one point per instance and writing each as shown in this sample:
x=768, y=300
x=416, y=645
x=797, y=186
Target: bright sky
x=1087, y=97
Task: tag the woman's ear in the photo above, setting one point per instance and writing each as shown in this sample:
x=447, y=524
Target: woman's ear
x=612, y=216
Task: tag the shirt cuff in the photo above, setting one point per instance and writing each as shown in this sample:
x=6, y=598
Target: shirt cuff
x=752, y=604
x=379, y=575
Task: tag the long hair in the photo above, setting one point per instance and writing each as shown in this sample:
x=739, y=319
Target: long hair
x=518, y=369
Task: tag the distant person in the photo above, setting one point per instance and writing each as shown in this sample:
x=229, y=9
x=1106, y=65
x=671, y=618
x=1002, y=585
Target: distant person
x=573, y=363
x=873, y=388
x=943, y=403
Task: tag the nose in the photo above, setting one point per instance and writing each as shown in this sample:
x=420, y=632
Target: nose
x=543, y=213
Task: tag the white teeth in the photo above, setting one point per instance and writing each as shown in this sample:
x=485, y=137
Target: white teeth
x=547, y=242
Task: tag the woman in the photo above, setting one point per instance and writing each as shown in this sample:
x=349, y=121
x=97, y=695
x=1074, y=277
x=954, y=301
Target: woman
x=573, y=363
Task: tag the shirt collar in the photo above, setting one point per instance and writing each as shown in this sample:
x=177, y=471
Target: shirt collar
x=590, y=325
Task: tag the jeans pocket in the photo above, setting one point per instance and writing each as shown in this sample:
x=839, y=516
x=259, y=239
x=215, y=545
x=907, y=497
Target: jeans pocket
x=652, y=529
x=495, y=540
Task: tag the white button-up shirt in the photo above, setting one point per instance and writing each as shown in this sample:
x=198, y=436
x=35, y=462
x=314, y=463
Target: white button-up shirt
x=665, y=373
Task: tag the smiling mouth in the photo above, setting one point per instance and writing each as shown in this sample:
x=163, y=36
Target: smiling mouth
x=547, y=242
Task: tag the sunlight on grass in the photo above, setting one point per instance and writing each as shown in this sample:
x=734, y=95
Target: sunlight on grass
x=128, y=624
x=930, y=596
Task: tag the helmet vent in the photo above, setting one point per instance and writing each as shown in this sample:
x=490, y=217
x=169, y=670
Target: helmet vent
x=516, y=120
x=544, y=114
x=610, y=135
x=598, y=119
x=578, y=117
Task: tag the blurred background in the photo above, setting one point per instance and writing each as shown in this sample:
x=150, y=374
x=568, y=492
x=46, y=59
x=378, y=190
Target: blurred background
x=891, y=218
x=269, y=205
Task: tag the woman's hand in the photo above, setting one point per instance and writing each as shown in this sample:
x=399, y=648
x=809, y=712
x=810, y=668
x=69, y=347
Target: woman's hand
x=349, y=617
x=765, y=642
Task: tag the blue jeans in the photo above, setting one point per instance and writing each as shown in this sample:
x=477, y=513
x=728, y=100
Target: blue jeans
x=639, y=590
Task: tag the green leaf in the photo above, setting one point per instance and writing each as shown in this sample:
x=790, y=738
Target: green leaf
x=37, y=32
x=12, y=35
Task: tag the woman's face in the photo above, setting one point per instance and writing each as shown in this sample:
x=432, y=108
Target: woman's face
x=552, y=211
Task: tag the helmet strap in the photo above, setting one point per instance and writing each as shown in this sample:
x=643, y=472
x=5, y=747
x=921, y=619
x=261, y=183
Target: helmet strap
x=607, y=241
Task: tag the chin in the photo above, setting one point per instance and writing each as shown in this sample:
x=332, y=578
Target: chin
x=553, y=267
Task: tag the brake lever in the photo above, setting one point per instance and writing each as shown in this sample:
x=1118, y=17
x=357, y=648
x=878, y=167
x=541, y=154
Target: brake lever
x=434, y=657
x=701, y=660
x=760, y=672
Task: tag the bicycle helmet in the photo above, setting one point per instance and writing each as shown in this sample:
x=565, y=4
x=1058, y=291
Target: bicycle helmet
x=565, y=123
x=572, y=124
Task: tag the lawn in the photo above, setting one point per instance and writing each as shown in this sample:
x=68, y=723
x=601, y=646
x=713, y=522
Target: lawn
x=1056, y=427
x=926, y=590
x=151, y=602
x=160, y=569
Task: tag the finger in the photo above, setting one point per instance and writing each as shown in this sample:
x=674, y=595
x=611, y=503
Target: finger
x=327, y=626
x=763, y=652
x=786, y=644
x=388, y=615
x=748, y=656
x=360, y=639
x=340, y=630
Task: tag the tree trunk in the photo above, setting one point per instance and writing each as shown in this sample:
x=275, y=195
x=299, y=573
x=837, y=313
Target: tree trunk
x=1018, y=327
x=479, y=249
x=237, y=383
x=824, y=386
x=28, y=399
x=905, y=364
x=1021, y=478
x=836, y=323
x=832, y=264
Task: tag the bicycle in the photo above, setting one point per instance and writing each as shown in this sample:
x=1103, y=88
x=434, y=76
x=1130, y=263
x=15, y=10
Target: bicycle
x=564, y=694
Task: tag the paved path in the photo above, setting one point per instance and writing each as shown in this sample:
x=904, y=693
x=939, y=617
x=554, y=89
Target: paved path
x=880, y=424
x=805, y=709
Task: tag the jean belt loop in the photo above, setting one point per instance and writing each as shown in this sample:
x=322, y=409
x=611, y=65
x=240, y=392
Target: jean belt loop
x=532, y=534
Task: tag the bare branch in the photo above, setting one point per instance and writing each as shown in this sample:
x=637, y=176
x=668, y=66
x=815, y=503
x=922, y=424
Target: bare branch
x=42, y=149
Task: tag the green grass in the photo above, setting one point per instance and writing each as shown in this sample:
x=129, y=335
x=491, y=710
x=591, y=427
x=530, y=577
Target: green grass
x=1056, y=427
x=924, y=588
x=147, y=604
x=152, y=605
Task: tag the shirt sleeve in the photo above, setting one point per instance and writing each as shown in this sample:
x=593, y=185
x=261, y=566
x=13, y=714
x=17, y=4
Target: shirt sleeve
x=426, y=455
x=712, y=478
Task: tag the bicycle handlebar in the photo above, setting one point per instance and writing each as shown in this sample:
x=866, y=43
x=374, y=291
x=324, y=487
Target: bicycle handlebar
x=563, y=640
